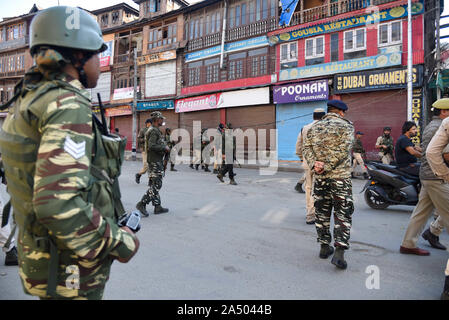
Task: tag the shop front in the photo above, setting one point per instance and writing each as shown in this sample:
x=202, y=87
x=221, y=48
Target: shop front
x=295, y=103
x=378, y=99
x=120, y=117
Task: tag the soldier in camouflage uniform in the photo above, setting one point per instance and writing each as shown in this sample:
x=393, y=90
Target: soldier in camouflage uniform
x=327, y=151
x=155, y=157
x=228, y=152
x=141, y=143
x=385, y=145
x=170, y=143
x=62, y=172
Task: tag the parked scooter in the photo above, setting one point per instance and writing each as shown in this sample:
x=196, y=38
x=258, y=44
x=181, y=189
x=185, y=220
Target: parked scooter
x=390, y=186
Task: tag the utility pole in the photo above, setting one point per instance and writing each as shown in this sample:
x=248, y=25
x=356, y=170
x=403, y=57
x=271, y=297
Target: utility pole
x=438, y=52
x=223, y=33
x=134, y=107
x=409, y=63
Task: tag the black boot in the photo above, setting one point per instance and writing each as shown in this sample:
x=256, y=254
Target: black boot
x=220, y=177
x=197, y=166
x=233, y=182
x=138, y=175
x=433, y=240
x=298, y=188
x=172, y=167
x=158, y=209
x=11, y=257
x=142, y=208
x=326, y=251
x=445, y=294
x=206, y=168
x=191, y=165
x=339, y=258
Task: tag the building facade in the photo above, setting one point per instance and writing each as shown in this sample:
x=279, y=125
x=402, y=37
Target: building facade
x=353, y=52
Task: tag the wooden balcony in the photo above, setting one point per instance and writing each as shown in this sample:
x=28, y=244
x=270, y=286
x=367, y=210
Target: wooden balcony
x=251, y=30
x=12, y=74
x=332, y=9
x=126, y=58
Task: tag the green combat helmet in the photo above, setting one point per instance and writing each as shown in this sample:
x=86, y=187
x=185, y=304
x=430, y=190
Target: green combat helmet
x=66, y=27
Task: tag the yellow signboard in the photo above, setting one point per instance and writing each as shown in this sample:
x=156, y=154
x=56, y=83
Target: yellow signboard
x=156, y=57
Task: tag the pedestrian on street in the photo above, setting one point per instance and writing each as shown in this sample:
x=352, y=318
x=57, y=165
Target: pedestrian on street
x=428, y=200
x=157, y=148
x=228, y=152
x=327, y=151
x=437, y=158
x=385, y=145
x=358, y=152
x=318, y=114
x=141, y=144
x=60, y=164
x=406, y=152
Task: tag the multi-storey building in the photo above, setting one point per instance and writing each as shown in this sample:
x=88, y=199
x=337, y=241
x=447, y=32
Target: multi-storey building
x=229, y=64
x=15, y=58
x=155, y=37
x=353, y=50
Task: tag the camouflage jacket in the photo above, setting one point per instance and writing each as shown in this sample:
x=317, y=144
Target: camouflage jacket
x=358, y=146
x=425, y=172
x=141, y=138
x=47, y=145
x=156, y=145
x=170, y=143
x=388, y=142
x=330, y=141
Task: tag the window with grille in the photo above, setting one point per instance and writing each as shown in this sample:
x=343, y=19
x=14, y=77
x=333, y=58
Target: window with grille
x=115, y=17
x=194, y=73
x=212, y=70
x=259, y=62
x=236, y=65
x=162, y=36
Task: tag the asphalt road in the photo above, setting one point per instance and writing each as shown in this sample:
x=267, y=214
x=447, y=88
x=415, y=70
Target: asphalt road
x=251, y=242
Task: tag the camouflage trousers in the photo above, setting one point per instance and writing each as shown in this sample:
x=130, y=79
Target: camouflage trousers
x=333, y=194
x=155, y=173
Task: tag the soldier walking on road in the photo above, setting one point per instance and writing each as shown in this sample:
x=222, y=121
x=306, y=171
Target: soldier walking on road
x=141, y=144
x=62, y=166
x=327, y=151
x=385, y=145
x=170, y=157
x=318, y=114
x=228, y=150
x=155, y=157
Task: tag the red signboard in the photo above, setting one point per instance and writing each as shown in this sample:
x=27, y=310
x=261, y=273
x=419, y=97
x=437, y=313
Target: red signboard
x=118, y=111
x=211, y=101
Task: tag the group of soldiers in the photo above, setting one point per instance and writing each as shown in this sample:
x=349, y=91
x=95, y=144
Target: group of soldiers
x=62, y=167
x=326, y=145
x=158, y=150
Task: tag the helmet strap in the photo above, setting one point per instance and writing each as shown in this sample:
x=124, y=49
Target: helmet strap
x=81, y=73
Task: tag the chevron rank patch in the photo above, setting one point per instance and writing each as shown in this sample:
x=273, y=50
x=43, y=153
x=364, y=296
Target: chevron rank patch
x=76, y=150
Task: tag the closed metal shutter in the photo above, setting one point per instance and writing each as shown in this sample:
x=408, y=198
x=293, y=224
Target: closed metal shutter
x=291, y=117
x=253, y=117
x=372, y=111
